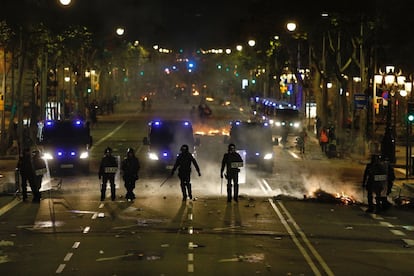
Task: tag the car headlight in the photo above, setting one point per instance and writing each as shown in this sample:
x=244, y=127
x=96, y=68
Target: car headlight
x=153, y=156
x=268, y=156
x=84, y=155
x=278, y=124
x=296, y=124
x=47, y=156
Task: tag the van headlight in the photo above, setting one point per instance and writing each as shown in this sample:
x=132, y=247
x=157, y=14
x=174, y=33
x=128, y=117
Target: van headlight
x=268, y=156
x=84, y=155
x=47, y=156
x=153, y=156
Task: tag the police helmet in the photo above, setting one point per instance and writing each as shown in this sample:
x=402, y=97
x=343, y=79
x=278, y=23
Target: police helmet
x=232, y=147
x=130, y=150
x=108, y=150
x=184, y=148
x=375, y=157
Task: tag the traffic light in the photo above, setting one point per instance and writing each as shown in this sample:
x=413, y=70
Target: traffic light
x=410, y=112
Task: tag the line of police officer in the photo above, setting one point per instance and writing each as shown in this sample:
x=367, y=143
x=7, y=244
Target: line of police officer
x=130, y=166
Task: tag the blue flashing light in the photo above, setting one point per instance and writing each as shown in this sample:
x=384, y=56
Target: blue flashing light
x=72, y=153
x=49, y=123
x=237, y=123
x=78, y=122
x=186, y=123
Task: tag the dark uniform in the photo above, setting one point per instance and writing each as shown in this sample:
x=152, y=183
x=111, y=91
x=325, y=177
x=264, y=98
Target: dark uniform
x=24, y=165
x=232, y=161
x=39, y=169
x=183, y=163
x=375, y=181
x=130, y=167
x=107, y=171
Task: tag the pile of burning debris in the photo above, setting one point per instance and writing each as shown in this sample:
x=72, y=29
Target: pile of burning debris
x=325, y=197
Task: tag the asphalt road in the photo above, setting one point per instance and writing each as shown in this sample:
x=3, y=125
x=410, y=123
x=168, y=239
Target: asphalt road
x=290, y=222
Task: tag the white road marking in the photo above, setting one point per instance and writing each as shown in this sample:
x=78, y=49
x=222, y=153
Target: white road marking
x=68, y=257
x=60, y=268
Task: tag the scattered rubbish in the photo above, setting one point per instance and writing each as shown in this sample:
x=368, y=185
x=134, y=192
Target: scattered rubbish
x=6, y=243
x=4, y=259
x=101, y=251
x=165, y=245
x=252, y=258
x=101, y=215
x=349, y=228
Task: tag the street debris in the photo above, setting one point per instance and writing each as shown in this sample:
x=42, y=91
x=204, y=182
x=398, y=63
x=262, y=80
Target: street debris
x=251, y=258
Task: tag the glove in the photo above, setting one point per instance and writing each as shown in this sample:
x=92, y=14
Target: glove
x=221, y=175
x=199, y=173
x=99, y=176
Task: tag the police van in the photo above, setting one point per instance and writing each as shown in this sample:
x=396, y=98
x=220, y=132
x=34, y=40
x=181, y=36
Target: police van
x=256, y=140
x=165, y=138
x=65, y=145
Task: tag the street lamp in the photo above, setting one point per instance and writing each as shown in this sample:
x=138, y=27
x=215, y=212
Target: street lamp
x=393, y=81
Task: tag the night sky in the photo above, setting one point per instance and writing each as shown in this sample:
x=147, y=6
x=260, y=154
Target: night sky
x=205, y=24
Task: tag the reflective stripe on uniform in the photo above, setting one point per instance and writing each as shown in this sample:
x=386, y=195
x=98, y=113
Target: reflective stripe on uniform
x=110, y=169
x=235, y=165
x=380, y=177
x=41, y=171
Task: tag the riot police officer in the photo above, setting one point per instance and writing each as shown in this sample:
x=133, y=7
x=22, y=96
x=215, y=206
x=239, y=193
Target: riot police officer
x=39, y=169
x=107, y=171
x=183, y=163
x=24, y=166
x=375, y=181
x=232, y=161
x=130, y=167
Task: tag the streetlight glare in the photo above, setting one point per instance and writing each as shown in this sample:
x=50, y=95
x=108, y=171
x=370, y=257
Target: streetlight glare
x=120, y=31
x=291, y=26
x=65, y=2
x=251, y=42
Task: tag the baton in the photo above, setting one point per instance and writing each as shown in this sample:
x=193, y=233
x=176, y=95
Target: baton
x=164, y=181
x=221, y=189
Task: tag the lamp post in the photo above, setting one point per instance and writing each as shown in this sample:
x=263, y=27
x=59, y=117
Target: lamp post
x=392, y=82
x=300, y=97
x=408, y=87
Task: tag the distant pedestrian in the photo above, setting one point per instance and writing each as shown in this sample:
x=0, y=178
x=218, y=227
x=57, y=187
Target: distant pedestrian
x=323, y=139
x=39, y=169
x=318, y=125
x=24, y=165
x=232, y=162
x=107, y=171
x=302, y=137
x=130, y=167
x=183, y=163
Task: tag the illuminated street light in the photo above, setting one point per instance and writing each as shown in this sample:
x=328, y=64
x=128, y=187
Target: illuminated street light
x=120, y=31
x=251, y=42
x=65, y=2
x=291, y=26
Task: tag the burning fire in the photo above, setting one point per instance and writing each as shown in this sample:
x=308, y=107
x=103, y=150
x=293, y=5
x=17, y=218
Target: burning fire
x=206, y=130
x=341, y=197
x=345, y=199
